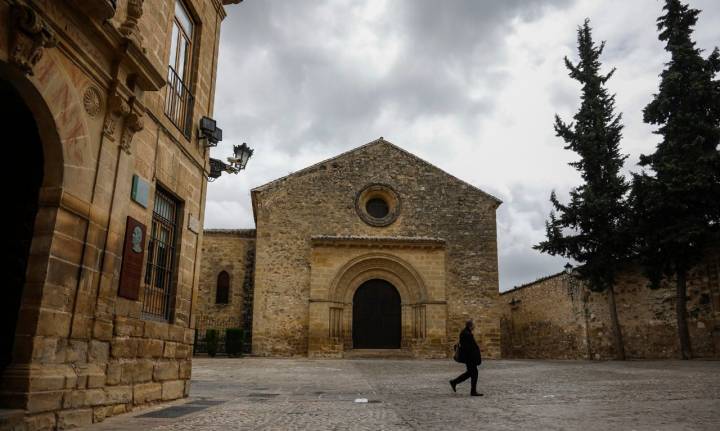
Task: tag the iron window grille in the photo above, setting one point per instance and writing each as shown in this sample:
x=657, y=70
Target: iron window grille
x=159, y=271
x=179, y=103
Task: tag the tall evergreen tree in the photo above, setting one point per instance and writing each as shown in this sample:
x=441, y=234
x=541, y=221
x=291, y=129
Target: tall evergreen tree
x=677, y=205
x=590, y=229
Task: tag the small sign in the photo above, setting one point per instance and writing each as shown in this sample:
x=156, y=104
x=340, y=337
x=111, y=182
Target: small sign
x=140, y=191
x=194, y=224
x=133, y=253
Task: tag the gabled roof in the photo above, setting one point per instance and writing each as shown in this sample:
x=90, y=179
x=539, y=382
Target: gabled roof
x=379, y=141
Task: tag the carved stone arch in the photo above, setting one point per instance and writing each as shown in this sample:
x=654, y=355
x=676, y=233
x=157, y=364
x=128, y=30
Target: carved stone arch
x=62, y=98
x=50, y=161
x=53, y=172
x=382, y=266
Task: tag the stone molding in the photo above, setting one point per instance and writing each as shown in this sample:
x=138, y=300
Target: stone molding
x=130, y=112
x=381, y=191
x=29, y=36
x=388, y=267
x=378, y=242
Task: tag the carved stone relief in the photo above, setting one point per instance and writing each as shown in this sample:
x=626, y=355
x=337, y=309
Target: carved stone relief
x=129, y=28
x=29, y=36
x=92, y=101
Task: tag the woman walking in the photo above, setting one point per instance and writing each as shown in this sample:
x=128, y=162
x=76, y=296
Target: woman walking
x=469, y=354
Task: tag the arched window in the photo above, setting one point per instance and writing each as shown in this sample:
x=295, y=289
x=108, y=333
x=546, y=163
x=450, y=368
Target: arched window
x=222, y=294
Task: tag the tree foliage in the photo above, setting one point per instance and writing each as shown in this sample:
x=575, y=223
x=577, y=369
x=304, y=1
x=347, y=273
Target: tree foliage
x=677, y=203
x=590, y=228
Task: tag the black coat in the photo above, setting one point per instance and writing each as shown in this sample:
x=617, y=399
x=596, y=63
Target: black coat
x=469, y=349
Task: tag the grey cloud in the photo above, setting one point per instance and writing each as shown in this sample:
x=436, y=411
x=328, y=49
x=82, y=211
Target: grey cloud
x=291, y=85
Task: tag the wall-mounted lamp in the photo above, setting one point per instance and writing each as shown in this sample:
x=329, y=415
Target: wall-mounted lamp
x=210, y=134
x=241, y=155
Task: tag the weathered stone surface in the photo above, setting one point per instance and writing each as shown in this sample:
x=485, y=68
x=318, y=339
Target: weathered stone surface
x=74, y=418
x=118, y=394
x=146, y=392
x=172, y=390
x=41, y=422
x=44, y=401
x=229, y=251
x=558, y=317
x=92, y=99
x=83, y=398
x=103, y=330
x=150, y=348
x=165, y=370
x=99, y=351
x=313, y=247
x=156, y=330
x=124, y=347
x=128, y=327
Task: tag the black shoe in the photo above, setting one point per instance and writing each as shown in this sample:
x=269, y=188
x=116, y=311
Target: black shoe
x=452, y=385
x=475, y=394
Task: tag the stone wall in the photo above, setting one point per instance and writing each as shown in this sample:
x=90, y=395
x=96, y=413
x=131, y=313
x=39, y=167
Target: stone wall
x=231, y=251
x=558, y=317
x=81, y=352
x=320, y=201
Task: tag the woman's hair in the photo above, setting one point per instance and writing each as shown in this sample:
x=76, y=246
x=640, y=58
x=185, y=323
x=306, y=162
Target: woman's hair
x=469, y=323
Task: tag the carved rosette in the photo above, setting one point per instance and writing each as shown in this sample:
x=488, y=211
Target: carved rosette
x=129, y=28
x=29, y=36
x=92, y=101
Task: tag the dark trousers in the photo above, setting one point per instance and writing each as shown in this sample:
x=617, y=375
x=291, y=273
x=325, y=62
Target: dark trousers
x=472, y=374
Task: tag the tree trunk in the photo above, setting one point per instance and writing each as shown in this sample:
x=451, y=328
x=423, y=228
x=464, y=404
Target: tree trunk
x=617, y=332
x=681, y=311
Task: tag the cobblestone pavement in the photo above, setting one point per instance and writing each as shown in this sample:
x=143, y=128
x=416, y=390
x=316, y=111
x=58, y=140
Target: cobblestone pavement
x=302, y=394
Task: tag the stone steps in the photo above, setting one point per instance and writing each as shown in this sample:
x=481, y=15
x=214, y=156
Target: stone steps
x=378, y=354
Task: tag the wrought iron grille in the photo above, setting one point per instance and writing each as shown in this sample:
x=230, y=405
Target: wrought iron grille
x=159, y=272
x=179, y=102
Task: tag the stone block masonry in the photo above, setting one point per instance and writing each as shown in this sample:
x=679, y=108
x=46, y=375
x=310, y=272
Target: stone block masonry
x=92, y=76
x=559, y=318
x=316, y=245
x=232, y=252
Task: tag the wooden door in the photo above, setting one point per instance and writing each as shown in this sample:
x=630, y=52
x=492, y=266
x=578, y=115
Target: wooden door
x=376, y=316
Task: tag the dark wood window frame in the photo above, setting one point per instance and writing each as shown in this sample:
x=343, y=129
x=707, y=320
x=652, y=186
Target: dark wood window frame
x=222, y=289
x=179, y=100
x=161, y=264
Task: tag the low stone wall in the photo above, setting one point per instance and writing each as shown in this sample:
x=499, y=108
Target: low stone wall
x=558, y=317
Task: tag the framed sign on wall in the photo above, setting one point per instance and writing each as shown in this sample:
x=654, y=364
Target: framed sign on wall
x=132, y=259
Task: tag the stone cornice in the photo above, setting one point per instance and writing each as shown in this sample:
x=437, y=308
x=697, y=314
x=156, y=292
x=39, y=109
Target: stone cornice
x=377, y=242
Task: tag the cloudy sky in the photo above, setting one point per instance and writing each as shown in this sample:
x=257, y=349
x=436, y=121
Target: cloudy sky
x=469, y=85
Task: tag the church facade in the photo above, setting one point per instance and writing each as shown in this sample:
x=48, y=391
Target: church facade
x=372, y=250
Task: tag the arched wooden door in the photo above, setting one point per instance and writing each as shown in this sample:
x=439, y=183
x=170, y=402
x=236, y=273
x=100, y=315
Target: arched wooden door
x=376, y=316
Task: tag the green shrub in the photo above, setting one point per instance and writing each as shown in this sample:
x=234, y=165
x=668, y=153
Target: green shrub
x=234, y=341
x=211, y=342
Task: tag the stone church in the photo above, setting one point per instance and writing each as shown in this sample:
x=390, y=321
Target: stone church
x=372, y=249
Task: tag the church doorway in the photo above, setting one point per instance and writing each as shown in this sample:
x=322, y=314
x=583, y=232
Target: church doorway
x=376, y=316
x=25, y=176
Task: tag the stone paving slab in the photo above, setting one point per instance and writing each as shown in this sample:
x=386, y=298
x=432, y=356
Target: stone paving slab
x=303, y=394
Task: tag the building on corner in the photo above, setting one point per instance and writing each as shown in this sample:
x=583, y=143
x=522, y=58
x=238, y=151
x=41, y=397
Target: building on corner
x=106, y=181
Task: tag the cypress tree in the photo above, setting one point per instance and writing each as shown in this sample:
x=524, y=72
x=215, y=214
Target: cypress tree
x=676, y=206
x=591, y=228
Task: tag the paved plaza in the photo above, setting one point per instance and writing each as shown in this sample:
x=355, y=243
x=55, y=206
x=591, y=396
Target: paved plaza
x=303, y=394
